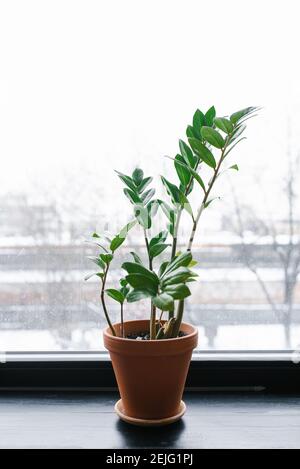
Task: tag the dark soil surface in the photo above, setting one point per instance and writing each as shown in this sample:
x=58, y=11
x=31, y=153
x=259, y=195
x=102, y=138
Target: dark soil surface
x=144, y=335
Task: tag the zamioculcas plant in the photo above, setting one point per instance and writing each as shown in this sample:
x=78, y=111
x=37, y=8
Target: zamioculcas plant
x=210, y=140
x=151, y=373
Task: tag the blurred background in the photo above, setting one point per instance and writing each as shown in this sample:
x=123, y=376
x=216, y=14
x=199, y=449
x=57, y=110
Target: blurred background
x=87, y=87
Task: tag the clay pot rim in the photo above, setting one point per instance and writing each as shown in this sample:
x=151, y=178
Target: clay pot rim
x=189, y=336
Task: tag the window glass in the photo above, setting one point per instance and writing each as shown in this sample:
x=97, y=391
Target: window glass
x=86, y=88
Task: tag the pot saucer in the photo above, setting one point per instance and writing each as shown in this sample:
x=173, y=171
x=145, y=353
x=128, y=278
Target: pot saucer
x=149, y=422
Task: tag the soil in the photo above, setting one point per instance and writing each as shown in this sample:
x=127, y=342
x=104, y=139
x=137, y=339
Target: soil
x=144, y=335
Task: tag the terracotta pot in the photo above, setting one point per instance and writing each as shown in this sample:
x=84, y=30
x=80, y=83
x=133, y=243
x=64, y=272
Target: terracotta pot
x=150, y=374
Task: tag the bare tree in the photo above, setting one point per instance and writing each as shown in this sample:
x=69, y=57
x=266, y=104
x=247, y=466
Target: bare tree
x=288, y=254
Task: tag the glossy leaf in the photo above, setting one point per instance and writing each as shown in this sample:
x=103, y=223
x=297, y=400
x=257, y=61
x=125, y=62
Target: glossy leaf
x=198, y=122
x=98, y=261
x=182, y=170
x=186, y=153
x=162, y=268
x=178, y=292
x=98, y=274
x=190, y=133
x=213, y=137
x=136, y=257
x=107, y=258
x=115, y=295
x=127, y=180
x=147, y=196
x=145, y=183
x=132, y=196
x=137, y=295
x=119, y=239
x=135, y=268
x=172, y=190
x=157, y=249
x=137, y=176
x=142, y=282
x=142, y=215
x=164, y=302
x=204, y=153
x=236, y=116
x=159, y=238
x=210, y=116
x=224, y=124
x=192, y=172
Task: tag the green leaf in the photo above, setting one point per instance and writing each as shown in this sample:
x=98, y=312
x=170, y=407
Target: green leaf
x=135, y=268
x=147, y=196
x=210, y=116
x=137, y=176
x=178, y=292
x=204, y=153
x=152, y=208
x=224, y=124
x=124, y=231
x=145, y=182
x=127, y=180
x=107, y=258
x=235, y=166
x=123, y=282
x=142, y=215
x=95, y=235
x=116, y=243
x=182, y=260
x=170, y=214
x=157, y=249
x=237, y=133
x=142, y=282
x=137, y=295
x=136, y=258
x=120, y=238
x=213, y=137
x=98, y=274
x=234, y=145
x=186, y=153
x=164, y=302
x=186, y=204
x=180, y=275
x=159, y=238
x=98, y=261
x=236, y=116
x=115, y=295
x=172, y=190
x=162, y=268
x=210, y=201
x=190, y=133
x=198, y=122
x=182, y=170
x=132, y=196
x=194, y=173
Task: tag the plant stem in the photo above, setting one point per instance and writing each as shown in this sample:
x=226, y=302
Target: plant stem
x=103, y=302
x=122, y=321
x=153, y=308
x=180, y=308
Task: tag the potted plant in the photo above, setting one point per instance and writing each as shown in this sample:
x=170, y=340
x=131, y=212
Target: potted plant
x=151, y=357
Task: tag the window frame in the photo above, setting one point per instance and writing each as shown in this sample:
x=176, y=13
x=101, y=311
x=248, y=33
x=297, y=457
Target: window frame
x=265, y=371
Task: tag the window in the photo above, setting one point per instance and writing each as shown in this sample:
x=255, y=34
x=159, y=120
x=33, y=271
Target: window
x=90, y=88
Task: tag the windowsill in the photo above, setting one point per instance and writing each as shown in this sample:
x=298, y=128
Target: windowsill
x=80, y=420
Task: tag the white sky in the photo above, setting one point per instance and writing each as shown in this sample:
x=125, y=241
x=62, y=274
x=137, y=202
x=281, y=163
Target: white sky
x=109, y=84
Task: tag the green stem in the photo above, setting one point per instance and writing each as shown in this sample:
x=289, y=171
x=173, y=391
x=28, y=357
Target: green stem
x=102, y=296
x=153, y=308
x=180, y=308
x=122, y=321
